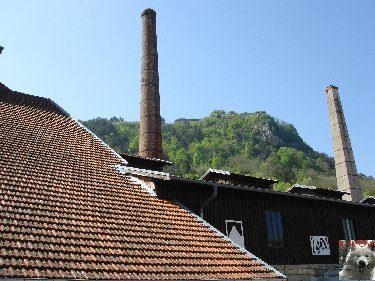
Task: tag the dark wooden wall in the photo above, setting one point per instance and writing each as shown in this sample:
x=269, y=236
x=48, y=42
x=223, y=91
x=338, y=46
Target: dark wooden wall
x=302, y=217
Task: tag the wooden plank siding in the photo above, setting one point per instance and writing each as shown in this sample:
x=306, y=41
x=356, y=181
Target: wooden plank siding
x=302, y=216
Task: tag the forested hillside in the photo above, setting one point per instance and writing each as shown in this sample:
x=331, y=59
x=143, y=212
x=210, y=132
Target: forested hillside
x=248, y=143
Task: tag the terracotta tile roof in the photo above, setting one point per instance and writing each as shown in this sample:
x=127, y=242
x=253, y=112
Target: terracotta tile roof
x=66, y=212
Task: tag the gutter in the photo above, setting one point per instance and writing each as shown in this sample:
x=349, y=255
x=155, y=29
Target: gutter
x=209, y=199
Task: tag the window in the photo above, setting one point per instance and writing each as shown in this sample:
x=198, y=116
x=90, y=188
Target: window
x=275, y=230
x=349, y=233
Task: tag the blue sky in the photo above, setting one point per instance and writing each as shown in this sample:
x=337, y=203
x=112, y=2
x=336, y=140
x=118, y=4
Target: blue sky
x=245, y=56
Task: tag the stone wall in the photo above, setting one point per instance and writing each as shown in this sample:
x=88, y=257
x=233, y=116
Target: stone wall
x=309, y=272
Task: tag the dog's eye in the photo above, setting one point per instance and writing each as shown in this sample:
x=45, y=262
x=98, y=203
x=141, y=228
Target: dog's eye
x=357, y=256
x=366, y=256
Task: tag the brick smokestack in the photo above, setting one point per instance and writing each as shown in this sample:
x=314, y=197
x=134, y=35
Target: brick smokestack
x=150, y=142
x=346, y=171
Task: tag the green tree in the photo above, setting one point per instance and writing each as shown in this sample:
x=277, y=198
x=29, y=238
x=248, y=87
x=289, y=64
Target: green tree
x=247, y=143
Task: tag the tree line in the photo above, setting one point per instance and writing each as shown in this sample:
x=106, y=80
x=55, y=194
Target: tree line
x=255, y=144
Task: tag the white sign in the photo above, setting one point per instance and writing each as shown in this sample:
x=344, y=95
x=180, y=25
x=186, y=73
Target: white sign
x=320, y=246
x=235, y=232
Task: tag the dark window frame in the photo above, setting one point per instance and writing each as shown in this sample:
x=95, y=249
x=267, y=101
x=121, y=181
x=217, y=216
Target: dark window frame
x=348, y=229
x=275, y=229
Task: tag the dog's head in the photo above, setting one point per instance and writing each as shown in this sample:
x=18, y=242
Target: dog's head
x=361, y=258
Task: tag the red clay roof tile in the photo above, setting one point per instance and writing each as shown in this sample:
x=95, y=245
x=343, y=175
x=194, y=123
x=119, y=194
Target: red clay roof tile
x=66, y=212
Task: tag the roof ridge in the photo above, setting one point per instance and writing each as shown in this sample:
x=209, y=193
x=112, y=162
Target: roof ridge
x=110, y=149
x=145, y=157
x=18, y=98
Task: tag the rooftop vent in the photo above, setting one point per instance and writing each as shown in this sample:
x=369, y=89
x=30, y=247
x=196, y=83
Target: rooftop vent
x=140, y=162
x=368, y=200
x=226, y=177
x=316, y=191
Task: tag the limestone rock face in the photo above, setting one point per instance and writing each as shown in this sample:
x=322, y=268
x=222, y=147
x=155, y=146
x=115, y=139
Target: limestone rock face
x=267, y=133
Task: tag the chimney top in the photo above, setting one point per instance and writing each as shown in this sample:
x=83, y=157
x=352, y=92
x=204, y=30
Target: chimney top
x=331, y=87
x=148, y=11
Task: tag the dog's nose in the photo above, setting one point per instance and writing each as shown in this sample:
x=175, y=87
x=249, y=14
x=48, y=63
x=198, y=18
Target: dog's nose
x=361, y=264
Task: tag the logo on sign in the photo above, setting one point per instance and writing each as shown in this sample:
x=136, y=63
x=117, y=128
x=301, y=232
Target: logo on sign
x=320, y=245
x=235, y=231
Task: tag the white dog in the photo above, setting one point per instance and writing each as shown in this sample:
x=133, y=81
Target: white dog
x=359, y=263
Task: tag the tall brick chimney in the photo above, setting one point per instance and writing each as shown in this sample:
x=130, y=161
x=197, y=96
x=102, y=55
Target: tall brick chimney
x=346, y=171
x=150, y=142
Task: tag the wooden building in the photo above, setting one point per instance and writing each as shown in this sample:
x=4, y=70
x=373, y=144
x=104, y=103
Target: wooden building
x=279, y=227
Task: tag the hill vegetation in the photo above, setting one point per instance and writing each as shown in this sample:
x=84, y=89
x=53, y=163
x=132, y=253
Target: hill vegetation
x=254, y=144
